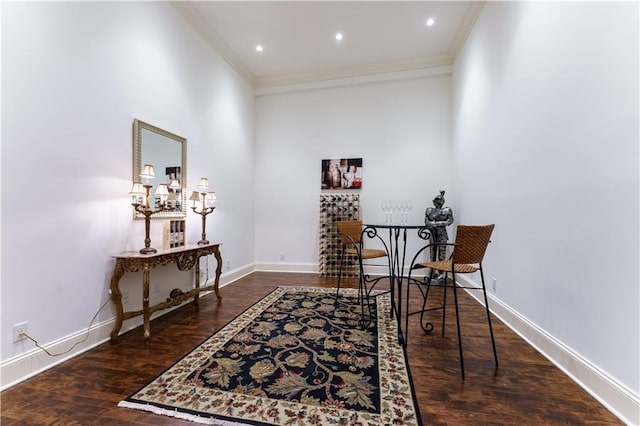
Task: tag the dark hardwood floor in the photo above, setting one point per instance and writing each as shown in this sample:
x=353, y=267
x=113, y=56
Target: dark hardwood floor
x=526, y=389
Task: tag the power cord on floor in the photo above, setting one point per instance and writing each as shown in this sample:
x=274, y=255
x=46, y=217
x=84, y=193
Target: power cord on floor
x=35, y=342
x=23, y=334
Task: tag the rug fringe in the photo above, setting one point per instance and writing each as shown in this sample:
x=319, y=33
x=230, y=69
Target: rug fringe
x=178, y=414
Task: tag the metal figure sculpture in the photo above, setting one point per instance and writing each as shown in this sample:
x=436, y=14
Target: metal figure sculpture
x=437, y=219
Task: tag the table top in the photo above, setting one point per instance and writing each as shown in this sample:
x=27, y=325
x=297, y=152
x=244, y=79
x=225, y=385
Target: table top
x=188, y=247
x=394, y=225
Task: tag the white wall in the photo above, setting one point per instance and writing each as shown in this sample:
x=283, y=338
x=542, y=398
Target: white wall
x=545, y=144
x=74, y=76
x=400, y=128
x=545, y=131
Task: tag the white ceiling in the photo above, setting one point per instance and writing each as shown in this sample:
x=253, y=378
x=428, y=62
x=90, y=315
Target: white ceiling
x=299, y=36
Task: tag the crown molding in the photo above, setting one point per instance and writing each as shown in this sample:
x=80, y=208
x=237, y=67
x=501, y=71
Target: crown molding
x=468, y=22
x=356, y=80
x=352, y=71
x=263, y=83
x=357, y=74
x=211, y=36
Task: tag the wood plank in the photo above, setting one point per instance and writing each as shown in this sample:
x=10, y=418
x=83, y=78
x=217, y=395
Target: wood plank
x=525, y=389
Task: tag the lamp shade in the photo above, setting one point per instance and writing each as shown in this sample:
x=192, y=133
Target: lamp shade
x=195, y=197
x=162, y=190
x=137, y=189
x=175, y=184
x=210, y=198
x=137, y=193
x=204, y=184
x=147, y=172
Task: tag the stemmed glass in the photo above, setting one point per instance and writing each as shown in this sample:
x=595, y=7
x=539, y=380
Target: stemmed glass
x=393, y=206
x=387, y=208
x=404, y=206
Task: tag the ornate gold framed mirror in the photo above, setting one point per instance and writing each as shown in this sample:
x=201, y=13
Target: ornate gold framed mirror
x=167, y=152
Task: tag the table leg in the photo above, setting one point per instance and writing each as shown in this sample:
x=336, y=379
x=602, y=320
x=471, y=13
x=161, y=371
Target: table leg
x=216, y=254
x=116, y=297
x=397, y=276
x=196, y=297
x=398, y=254
x=145, y=303
x=392, y=280
x=402, y=258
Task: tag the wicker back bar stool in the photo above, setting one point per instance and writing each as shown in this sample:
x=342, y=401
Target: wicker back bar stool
x=468, y=252
x=350, y=233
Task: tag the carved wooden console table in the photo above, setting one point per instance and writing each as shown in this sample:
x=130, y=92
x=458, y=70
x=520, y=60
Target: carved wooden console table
x=185, y=258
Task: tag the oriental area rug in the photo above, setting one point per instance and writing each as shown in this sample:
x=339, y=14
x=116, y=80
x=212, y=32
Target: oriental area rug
x=296, y=357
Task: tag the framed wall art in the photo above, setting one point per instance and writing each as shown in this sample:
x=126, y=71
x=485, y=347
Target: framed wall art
x=344, y=173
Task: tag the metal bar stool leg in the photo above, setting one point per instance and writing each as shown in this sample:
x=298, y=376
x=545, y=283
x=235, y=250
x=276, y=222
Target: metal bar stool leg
x=444, y=300
x=486, y=304
x=363, y=296
x=455, y=297
x=424, y=305
x=340, y=273
x=406, y=311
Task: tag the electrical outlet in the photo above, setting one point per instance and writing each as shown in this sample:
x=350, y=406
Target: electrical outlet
x=125, y=297
x=228, y=264
x=156, y=288
x=19, y=331
x=282, y=256
x=494, y=284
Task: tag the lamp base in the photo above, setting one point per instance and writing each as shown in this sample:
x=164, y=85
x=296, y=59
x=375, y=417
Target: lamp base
x=203, y=242
x=148, y=250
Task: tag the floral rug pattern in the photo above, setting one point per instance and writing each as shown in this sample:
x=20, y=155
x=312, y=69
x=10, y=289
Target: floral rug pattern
x=294, y=358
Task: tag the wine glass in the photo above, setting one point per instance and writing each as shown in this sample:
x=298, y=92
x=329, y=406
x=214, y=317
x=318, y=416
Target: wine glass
x=391, y=206
x=404, y=206
x=383, y=205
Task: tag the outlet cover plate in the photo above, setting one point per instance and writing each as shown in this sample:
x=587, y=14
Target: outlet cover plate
x=22, y=327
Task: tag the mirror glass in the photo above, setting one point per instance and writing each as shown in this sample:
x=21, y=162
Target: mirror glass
x=167, y=153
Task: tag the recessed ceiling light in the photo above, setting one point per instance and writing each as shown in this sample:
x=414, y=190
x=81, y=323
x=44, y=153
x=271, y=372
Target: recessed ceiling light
x=430, y=22
x=338, y=36
x=259, y=48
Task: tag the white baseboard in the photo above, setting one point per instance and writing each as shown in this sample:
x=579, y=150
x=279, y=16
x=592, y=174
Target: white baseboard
x=312, y=268
x=34, y=361
x=616, y=397
x=620, y=400
x=305, y=268
x=228, y=277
